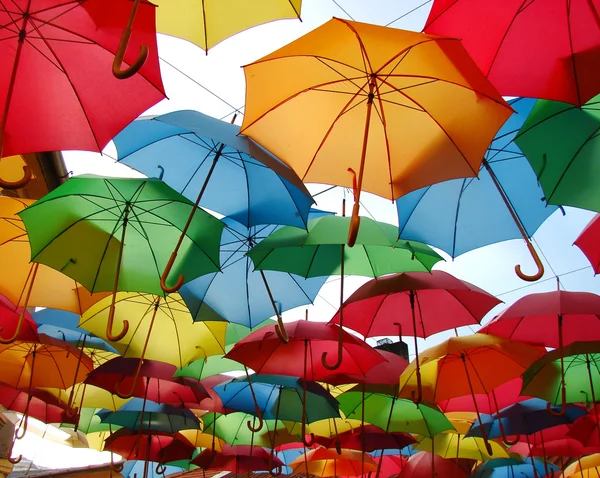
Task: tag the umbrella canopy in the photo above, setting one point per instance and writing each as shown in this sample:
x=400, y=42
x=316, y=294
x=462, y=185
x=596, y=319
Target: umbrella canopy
x=454, y=446
x=46, y=286
x=279, y=397
x=503, y=468
x=502, y=203
x=208, y=23
x=156, y=447
x=237, y=459
x=383, y=110
x=209, y=366
x=265, y=353
x=38, y=404
x=588, y=241
x=385, y=373
x=369, y=438
x=393, y=414
x=16, y=323
x=153, y=322
x=542, y=318
x=324, y=462
x=83, y=40
x=426, y=465
x=238, y=293
x=384, y=306
x=511, y=45
x=559, y=141
x=247, y=184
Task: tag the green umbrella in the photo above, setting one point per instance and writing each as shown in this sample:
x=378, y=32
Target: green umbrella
x=213, y=365
x=561, y=142
x=236, y=332
x=89, y=422
x=321, y=250
x=112, y=234
x=233, y=429
x=394, y=414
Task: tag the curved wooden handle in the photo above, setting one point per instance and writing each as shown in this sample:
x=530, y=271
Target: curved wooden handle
x=71, y=412
x=354, y=225
x=12, y=460
x=278, y=472
x=118, y=467
x=14, y=336
x=165, y=275
x=122, y=49
x=563, y=407
x=129, y=394
x=12, y=185
x=260, y=421
x=109, y=324
x=280, y=331
x=160, y=469
x=338, y=362
x=538, y=263
x=511, y=442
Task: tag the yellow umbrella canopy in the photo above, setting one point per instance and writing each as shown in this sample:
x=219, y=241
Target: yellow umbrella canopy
x=325, y=462
x=49, y=287
x=586, y=466
x=160, y=328
x=454, y=445
x=325, y=428
x=89, y=396
x=208, y=22
x=203, y=440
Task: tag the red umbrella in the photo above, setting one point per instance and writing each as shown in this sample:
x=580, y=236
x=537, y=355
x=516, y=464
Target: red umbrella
x=384, y=373
x=589, y=242
x=238, y=459
x=9, y=323
x=501, y=397
x=157, y=447
x=427, y=465
x=57, y=80
x=38, y=404
x=585, y=430
x=369, y=439
x=155, y=381
x=546, y=49
x=389, y=465
x=417, y=304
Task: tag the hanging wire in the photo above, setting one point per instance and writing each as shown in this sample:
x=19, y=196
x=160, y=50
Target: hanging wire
x=342, y=9
x=408, y=13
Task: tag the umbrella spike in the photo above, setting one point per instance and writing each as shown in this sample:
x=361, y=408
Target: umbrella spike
x=122, y=49
x=24, y=308
x=167, y=271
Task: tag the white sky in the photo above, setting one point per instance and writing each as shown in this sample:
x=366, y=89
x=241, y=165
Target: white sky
x=490, y=268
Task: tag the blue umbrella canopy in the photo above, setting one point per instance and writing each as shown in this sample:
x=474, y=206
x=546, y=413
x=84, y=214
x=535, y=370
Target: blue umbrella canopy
x=526, y=417
x=248, y=184
x=239, y=294
x=460, y=215
x=135, y=468
x=511, y=468
x=278, y=397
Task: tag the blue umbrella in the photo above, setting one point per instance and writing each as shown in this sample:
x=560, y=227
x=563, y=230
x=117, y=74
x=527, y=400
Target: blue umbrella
x=241, y=295
x=150, y=416
x=511, y=468
x=504, y=202
x=133, y=468
x=526, y=417
x=247, y=184
x=64, y=325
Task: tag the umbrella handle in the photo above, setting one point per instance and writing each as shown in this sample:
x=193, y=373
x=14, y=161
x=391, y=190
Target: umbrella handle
x=165, y=275
x=278, y=467
x=338, y=445
x=122, y=48
x=340, y=352
x=160, y=469
x=119, y=393
x=14, y=336
x=21, y=183
x=109, y=324
x=355, y=221
x=14, y=461
x=538, y=263
x=563, y=405
x=251, y=427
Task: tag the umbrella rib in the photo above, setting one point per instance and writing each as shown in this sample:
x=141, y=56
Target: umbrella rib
x=463, y=188
x=365, y=57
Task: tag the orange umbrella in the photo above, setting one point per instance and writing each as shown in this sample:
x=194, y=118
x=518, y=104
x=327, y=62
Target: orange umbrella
x=473, y=364
x=324, y=462
x=27, y=284
x=374, y=108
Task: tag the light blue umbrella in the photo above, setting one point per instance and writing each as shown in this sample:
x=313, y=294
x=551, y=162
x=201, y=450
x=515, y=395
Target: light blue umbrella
x=460, y=215
x=133, y=468
x=247, y=184
x=241, y=295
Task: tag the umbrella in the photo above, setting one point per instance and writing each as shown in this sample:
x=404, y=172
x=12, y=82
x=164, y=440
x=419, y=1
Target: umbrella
x=427, y=465
x=503, y=468
x=394, y=414
x=209, y=366
x=473, y=364
x=208, y=23
x=391, y=305
x=321, y=251
x=247, y=183
x=31, y=284
x=455, y=446
x=135, y=468
x=237, y=459
x=57, y=59
x=17, y=323
x=160, y=448
x=147, y=416
x=502, y=203
x=38, y=404
x=88, y=228
x=511, y=44
x=587, y=241
x=369, y=438
x=559, y=141
x=528, y=319
x=324, y=462
x=385, y=373
x=384, y=97
x=241, y=295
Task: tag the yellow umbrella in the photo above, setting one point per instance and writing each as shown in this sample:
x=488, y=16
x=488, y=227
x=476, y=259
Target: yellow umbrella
x=325, y=462
x=587, y=466
x=325, y=428
x=454, y=445
x=461, y=421
x=26, y=284
x=89, y=396
x=373, y=108
x=203, y=440
x=208, y=22
x=161, y=328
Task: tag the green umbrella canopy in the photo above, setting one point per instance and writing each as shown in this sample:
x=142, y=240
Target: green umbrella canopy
x=213, y=365
x=317, y=251
x=582, y=372
x=561, y=142
x=233, y=429
x=236, y=332
x=89, y=422
x=78, y=229
x=394, y=414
